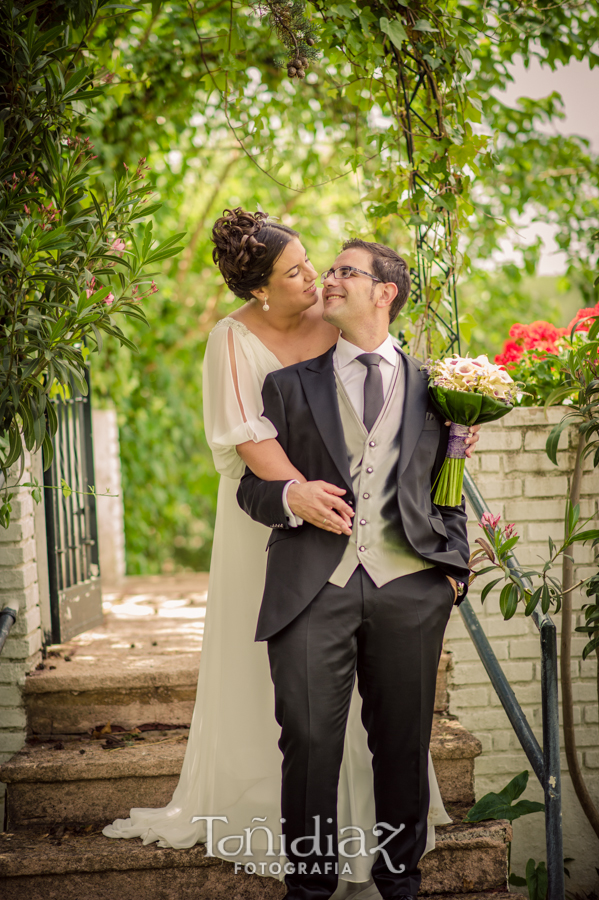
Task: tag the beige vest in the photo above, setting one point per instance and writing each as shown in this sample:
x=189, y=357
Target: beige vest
x=378, y=539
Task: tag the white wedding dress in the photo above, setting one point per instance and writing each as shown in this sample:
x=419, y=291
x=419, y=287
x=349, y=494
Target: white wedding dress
x=232, y=764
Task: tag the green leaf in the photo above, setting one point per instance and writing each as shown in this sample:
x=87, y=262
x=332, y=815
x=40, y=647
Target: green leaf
x=423, y=25
x=47, y=451
x=488, y=588
x=590, y=647
x=96, y=297
x=501, y=805
x=508, y=601
x=494, y=806
x=533, y=602
x=545, y=598
x=54, y=238
x=553, y=440
x=515, y=577
x=537, y=880
x=559, y=394
x=394, y=30
x=515, y=788
x=507, y=545
x=76, y=78
x=14, y=447
x=590, y=535
x=572, y=516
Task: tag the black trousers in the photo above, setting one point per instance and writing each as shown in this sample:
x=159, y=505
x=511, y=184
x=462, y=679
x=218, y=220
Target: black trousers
x=391, y=637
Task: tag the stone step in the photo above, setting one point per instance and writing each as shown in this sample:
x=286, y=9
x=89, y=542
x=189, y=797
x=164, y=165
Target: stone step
x=477, y=895
x=77, y=694
x=84, y=783
x=468, y=860
x=76, y=699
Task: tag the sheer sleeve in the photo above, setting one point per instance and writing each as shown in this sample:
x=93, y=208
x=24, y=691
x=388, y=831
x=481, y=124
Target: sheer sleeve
x=232, y=400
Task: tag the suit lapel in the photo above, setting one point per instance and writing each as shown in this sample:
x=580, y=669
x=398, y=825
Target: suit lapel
x=414, y=412
x=318, y=382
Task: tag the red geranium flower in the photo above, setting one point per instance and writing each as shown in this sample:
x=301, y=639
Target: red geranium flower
x=581, y=314
x=511, y=354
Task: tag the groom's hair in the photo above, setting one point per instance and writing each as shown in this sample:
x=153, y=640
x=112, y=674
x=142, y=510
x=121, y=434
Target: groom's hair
x=389, y=267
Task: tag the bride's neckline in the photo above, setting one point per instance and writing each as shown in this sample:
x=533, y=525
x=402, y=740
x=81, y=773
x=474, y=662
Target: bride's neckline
x=245, y=330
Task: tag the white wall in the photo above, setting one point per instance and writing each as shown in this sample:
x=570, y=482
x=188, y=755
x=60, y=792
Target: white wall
x=20, y=590
x=110, y=513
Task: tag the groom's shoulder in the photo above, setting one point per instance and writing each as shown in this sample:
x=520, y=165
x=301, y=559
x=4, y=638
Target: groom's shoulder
x=411, y=361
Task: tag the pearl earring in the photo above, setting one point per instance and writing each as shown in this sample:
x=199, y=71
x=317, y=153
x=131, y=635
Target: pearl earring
x=265, y=306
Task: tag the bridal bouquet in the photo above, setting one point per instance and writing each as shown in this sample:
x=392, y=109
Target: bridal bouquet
x=467, y=392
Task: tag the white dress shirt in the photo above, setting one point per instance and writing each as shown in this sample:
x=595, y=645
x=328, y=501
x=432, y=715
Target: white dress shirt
x=353, y=375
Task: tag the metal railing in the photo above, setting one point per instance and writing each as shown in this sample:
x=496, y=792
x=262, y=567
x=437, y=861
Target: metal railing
x=545, y=762
x=71, y=526
x=8, y=617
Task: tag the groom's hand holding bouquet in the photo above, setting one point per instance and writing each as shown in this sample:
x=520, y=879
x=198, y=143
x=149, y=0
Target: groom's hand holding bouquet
x=468, y=392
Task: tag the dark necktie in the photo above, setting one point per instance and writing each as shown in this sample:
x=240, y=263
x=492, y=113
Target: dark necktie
x=374, y=396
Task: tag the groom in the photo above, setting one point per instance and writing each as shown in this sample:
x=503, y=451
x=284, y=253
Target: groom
x=371, y=604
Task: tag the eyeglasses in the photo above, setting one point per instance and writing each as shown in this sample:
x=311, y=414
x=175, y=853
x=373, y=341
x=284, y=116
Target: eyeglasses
x=346, y=272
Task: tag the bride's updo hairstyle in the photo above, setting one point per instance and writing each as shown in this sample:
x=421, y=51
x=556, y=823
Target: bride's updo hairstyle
x=247, y=247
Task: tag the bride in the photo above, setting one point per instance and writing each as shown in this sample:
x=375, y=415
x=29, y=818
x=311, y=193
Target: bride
x=232, y=764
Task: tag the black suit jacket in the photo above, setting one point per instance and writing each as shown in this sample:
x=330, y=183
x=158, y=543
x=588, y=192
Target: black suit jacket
x=301, y=402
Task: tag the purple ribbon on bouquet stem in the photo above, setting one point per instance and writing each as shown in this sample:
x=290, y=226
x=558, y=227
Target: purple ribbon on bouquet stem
x=456, y=447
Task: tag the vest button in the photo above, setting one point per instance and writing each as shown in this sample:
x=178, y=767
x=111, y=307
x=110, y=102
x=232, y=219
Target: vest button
x=362, y=549
x=362, y=521
x=372, y=443
x=366, y=496
x=370, y=470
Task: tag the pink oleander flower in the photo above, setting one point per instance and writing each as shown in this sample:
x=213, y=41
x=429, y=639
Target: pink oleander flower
x=89, y=290
x=110, y=298
x=488, y=519
x=510, y=530
x=118, y=248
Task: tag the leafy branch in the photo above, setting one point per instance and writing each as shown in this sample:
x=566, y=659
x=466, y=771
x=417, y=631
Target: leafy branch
x=70, y=260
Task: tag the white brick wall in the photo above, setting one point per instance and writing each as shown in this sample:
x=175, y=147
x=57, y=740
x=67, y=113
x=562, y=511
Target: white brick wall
x=19, y=589
x=110, y=511
x=514, y=475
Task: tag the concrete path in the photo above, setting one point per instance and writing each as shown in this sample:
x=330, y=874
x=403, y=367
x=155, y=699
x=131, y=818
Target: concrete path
x=150, y=623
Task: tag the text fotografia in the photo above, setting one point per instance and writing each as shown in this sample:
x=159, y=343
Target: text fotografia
x=288, y=868
x=350, y=847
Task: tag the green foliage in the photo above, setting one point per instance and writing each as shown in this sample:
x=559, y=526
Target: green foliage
x=519, y=587
x=502, y=805
x=498, y=298
x=539, y=375
x=536, y=881
x=578, y=371
x=69, y=260
x=198, y=89
x=169, y=482
x=591, y=615
x=294, y=30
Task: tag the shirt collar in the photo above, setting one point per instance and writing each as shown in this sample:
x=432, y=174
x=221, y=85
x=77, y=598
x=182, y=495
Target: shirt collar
x=347, y=352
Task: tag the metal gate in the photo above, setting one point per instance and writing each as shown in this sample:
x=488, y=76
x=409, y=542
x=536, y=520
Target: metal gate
x=71, y=526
